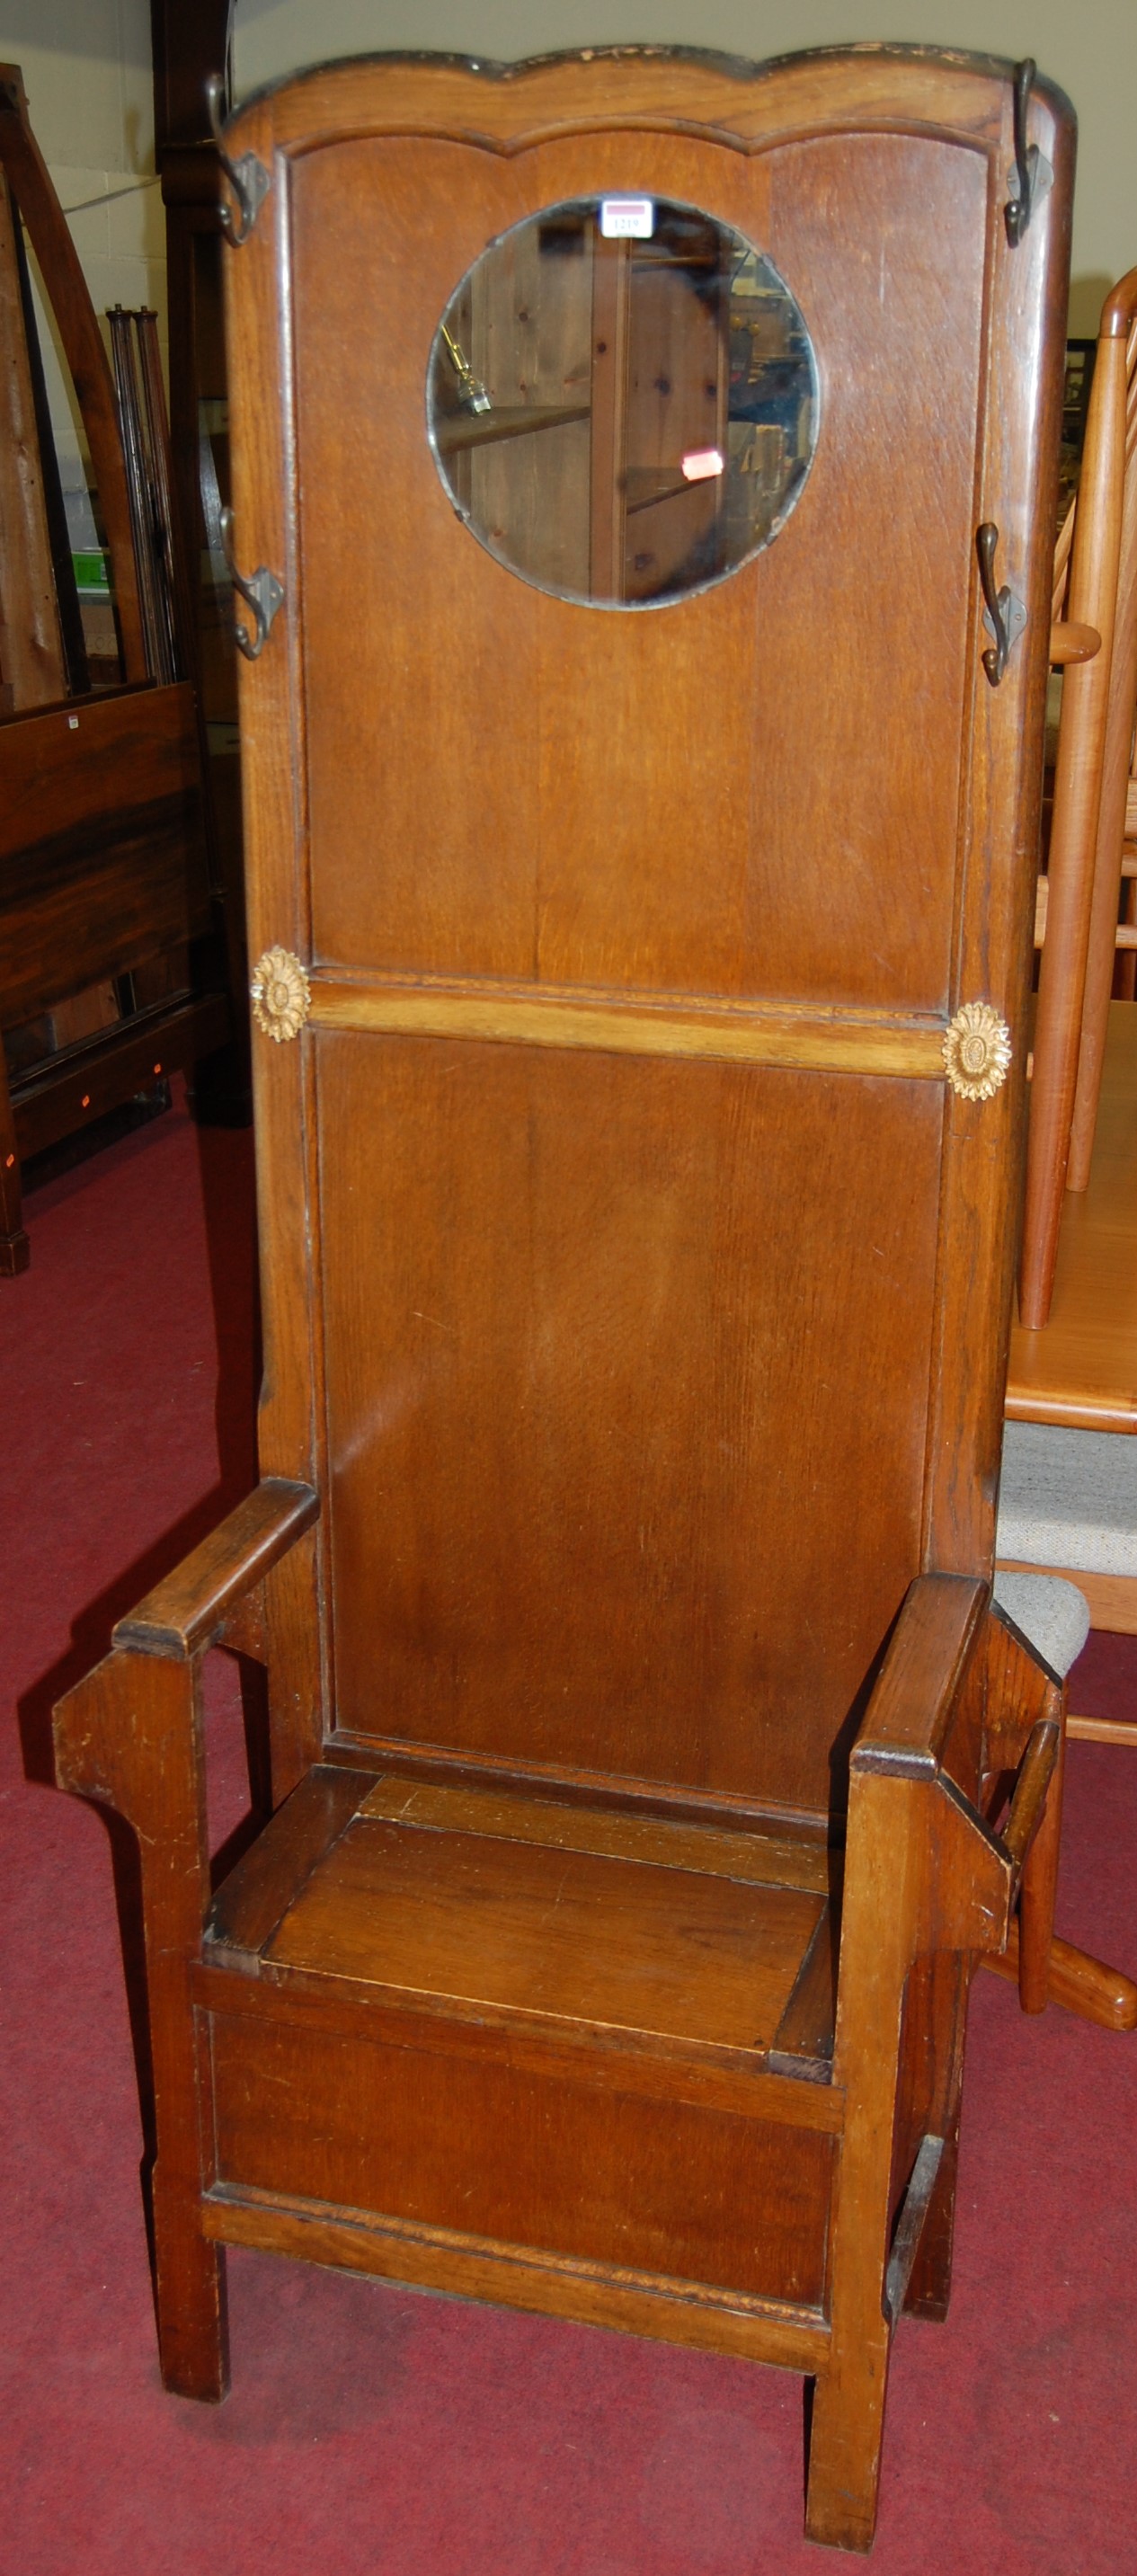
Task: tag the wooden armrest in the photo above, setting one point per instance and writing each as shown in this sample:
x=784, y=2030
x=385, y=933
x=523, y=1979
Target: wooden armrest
x=922, y=1863
x=130, y=1734
x=909, y=1716
x=185, y=1611
x=924, y=1874
x=941, y=1627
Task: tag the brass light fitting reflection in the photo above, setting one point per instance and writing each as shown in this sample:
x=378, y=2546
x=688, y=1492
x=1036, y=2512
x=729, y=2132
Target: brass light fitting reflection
x=474, y=395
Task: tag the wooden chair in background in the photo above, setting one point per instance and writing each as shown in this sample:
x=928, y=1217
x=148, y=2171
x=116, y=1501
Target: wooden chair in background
x=1096, y=639
x=1115, y=853
x=1126, y=979
x=637, y=1238
x=1068, y=1497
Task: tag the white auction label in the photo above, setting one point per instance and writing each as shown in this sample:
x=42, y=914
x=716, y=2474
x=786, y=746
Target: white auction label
x=627, y=218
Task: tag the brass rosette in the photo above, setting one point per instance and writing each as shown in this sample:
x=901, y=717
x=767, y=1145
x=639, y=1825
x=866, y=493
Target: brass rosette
x=977, y=1051
x=282, y=996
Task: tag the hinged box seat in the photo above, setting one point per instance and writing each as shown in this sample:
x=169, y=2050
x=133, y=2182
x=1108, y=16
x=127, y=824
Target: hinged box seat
x=657, y=1980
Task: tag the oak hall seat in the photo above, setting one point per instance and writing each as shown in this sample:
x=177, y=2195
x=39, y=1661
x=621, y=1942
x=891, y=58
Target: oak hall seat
x=637, y=1202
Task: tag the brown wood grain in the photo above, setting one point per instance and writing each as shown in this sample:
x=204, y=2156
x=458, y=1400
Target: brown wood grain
x=915, y=1699
x=130, y=1736
x=519, y=1291
x=764, y=1859
x=554, y=1932
x=565, y=898
x=102, y=849
x=68, y=764
x=803, y=2041
x=1112, y=809
x=14, y=1246
x=62, y=273
x=251, y=1901
x=595, y=2294
x=1079, y=1983
x=904, y=1939
x=1081, y=1370
x=929, y=2100
x=610, y=303
x=651, y=2066
x=1040, y=1875
x=592, y=2172
x=32, y=668
x=1103, y=1730
x=183, y=1613
x=638, y=1382
x=994, y=948
x=623, y=1023
x=1093, y=601
x=1070, y=643
x=64, y=1094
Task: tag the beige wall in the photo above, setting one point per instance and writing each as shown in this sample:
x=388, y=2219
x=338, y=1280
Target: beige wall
x=87, y=72
x=1089, y=46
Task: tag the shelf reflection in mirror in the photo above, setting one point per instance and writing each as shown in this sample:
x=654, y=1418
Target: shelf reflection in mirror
x=622, y=400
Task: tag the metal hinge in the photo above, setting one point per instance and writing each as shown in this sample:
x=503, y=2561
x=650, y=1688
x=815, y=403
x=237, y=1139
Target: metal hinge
x=248, y=177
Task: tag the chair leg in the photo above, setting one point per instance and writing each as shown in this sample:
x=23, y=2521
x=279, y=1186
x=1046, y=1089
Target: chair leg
x=848, y=2402
x=878, y=1941
x=1081, y=1984
x=848, y=2406
x=130, y=1735
x=844, y=2444
x=189, y=2296
x=848, y=2409
x=189, y=2269
x=1049, y=1971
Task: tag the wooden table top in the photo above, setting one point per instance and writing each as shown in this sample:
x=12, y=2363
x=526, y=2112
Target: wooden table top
x=1081, y=1369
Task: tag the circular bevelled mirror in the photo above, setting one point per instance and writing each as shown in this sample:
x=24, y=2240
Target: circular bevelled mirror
x=622, y=400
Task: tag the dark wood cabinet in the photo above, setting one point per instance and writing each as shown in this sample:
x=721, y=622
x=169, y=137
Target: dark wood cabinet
x=119, y=963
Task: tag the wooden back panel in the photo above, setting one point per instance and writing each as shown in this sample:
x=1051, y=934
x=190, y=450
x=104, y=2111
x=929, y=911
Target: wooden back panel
x=636, y=1287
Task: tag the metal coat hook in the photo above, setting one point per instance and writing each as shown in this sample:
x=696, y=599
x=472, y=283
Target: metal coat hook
x=1032, y=175
x=1004, y=614
x=261, y=592
x=248, y=177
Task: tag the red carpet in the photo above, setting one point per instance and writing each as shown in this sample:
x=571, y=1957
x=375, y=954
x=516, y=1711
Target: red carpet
x=373, y=2432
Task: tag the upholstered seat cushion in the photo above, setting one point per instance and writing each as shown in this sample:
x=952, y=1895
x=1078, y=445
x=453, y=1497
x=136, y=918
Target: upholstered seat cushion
x=1053, y=1616
x=1068, y=1498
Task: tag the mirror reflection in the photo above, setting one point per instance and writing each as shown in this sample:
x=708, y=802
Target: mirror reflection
x=622, y=400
